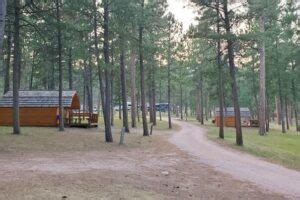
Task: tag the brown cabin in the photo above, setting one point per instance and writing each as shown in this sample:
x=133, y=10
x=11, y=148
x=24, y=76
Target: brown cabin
x=229, y=117
x=40, y=108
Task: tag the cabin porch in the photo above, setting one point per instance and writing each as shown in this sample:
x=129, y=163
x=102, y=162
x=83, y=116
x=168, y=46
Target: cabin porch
x=81, y=119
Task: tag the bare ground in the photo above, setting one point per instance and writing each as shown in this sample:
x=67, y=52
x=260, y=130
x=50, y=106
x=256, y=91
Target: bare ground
x=79, y=165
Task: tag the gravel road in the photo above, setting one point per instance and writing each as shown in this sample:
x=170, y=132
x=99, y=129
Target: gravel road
x=241, y=166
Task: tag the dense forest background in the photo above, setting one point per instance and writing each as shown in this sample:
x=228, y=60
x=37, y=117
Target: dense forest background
x=240, y=54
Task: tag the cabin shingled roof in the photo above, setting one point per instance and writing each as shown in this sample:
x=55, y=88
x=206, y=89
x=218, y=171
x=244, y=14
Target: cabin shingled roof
x=245, y=112
x=38, y=99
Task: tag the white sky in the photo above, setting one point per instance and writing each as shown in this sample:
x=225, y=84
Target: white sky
x=183, y=12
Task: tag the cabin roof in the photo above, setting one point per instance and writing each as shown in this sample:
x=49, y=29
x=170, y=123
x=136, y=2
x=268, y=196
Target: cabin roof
x=245, y=112
x=41, y=99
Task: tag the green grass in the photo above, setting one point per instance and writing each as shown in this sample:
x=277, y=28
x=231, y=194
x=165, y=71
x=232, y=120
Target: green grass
x=46, y=139
x=276, y=147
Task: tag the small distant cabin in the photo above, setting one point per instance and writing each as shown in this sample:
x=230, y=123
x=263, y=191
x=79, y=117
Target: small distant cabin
x=41, y=108
x=229, y=117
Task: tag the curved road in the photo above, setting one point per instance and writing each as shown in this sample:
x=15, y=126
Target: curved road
x=242, y=166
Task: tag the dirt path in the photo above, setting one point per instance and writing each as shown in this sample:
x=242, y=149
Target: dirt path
x=241, y=166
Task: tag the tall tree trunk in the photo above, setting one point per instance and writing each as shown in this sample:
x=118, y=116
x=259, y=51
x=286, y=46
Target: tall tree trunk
x=32, y=72
x=160, y=99
x=16, y=66
x=169, y=76
x=206, y=106
x=70, y=69
x=267, y=114
x=107, y=72
x=133, y=89
x=59, y=42
x=112, y=117
x=8, y=54
x=138, y=105
x=220, y=75
x=287, y=113
x=2, y=22
x=186, y=107
x=153, y=95
x=281, y=104
x=142, y=71
x=150, y=109
x=88, y=86
x=294, y=91
x=230, y=47
x=97, y=54
x=198, y=112
x=120, y=106
x=181, y=101
x=201, y=100
x=52, y=73
x=262, y=81
x=123, y=85
x=278, y=111
x=254, y=88
x=84, y=89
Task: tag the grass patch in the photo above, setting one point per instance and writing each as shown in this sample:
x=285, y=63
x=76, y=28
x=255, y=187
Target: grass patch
x=275, y=147
x=45, y=139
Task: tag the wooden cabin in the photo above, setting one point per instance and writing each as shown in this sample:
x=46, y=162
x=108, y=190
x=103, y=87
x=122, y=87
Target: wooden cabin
x=229, y=117
x=41, y=108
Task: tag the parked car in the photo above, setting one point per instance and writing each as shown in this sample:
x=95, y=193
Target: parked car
x=162, y=107
x=117, y=107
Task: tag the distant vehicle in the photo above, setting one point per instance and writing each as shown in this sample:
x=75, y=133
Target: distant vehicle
x=118, y=108
x=162, y=107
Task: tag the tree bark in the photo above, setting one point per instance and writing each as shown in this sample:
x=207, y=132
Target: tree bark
x=2, y=22
x=201, y=100
x=133, y=89
x=8, y=54
x=181, y=101
x=16, y=66
x=138, y=105
x=123, y=86
x=286, y=113
x=88, y=86
x=51, y=84
x=220, y=75
x=169, y=76
x=230, y=47
x=153, y=94
x=262, y=81
x=142, y=71
x=150, y=110
x=294, y=91
x=97, y=55
x=112, y=117
x=160, y=99
x=59, y=42
x=70, y=69
x=278, y=111
x=281, y=104
x=107, y=72
x=32, y=72
x=198, y=112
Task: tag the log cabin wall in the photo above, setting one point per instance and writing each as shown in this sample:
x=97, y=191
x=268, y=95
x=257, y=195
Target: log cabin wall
x=30, y=116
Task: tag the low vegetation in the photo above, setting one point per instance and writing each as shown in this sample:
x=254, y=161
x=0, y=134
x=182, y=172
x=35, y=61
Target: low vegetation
x=275, y=147
x=36, y=139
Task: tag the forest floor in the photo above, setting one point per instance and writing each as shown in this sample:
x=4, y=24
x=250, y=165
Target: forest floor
x=43, y=163
x=193, y=139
